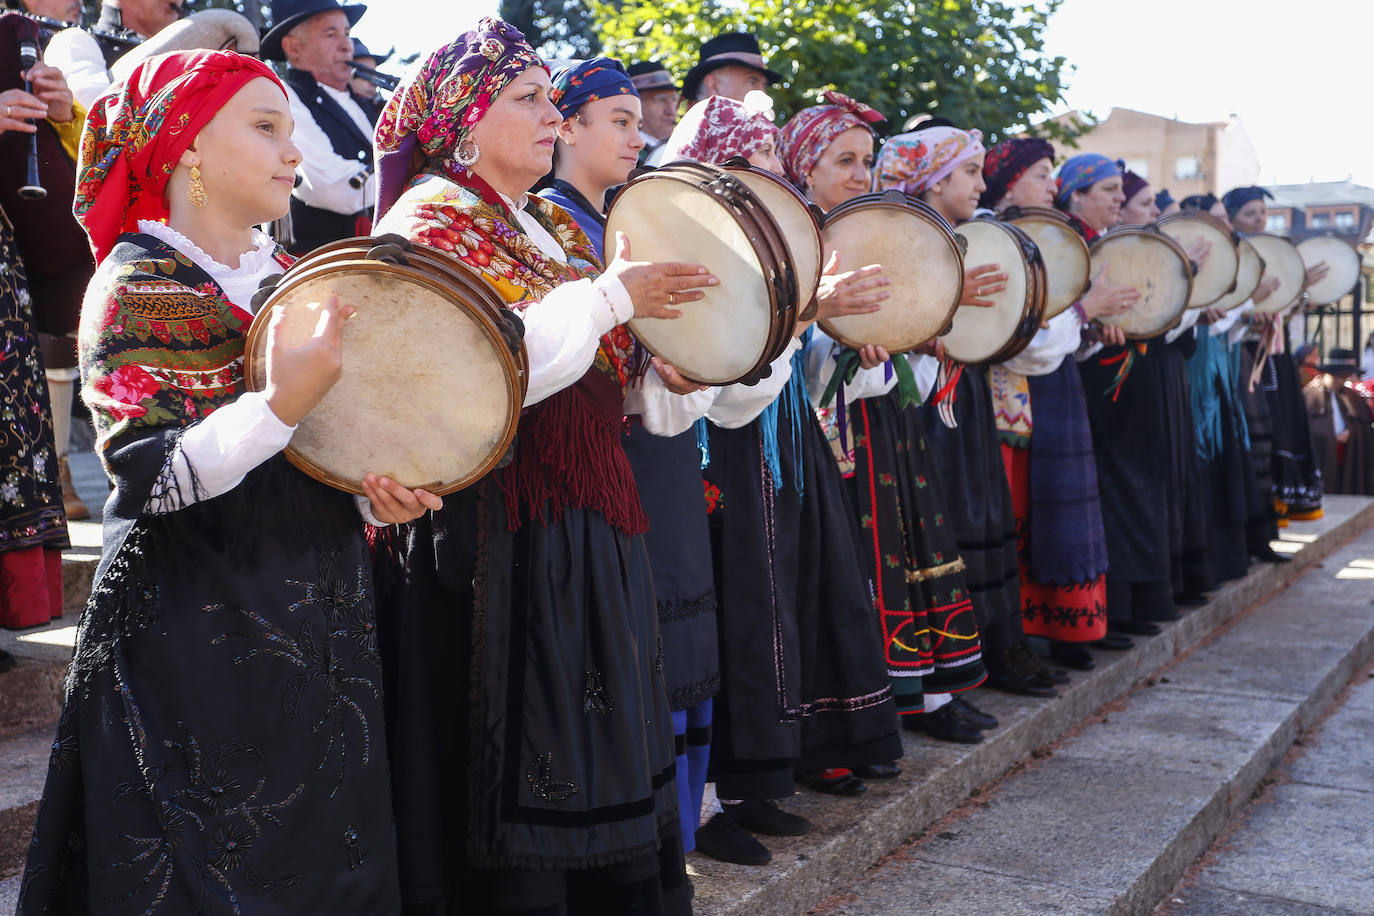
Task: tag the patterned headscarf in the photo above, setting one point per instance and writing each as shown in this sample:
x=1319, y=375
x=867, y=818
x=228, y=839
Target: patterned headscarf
x=1131, y=183
x=435, y=108
x=914, y=161
x=136, y=133
x=810, y=131
x=717, y=128
x=1236, y=198
x=1083, y=172
x=598, y=78
x=1007, y=162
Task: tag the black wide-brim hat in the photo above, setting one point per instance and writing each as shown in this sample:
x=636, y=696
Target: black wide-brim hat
x=362, y=50
x=287, y=14
x=733, y=49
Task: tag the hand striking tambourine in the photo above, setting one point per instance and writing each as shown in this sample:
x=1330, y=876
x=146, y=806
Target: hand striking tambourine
x=1154, y=265
x=919, y=254
x=1342, y=267
x=434, y=374
x=1282, y=260
x=994, y=334
x=1065, y=254
x=687, y=211
x=1216, y=274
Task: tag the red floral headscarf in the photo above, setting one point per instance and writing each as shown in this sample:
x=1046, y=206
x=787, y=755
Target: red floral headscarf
x=913, y=161
x=717, y=128
x=137, y=131
x=806, y=136
x=434, y=109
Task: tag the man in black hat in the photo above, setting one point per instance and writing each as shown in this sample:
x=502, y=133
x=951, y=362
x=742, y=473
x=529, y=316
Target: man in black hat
x=730, y=65
x=365, y=91
x=333, y=127
x=84, y=56
x=659, y=99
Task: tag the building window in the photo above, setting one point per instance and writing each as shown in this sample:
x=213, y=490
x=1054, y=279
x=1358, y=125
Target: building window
x=1319, y=221
x=1276, y=222
x=1140, y=166
x=1344, y=220
x=1188, y=167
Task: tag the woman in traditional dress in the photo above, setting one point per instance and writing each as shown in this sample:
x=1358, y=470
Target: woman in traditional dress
x=220, y=746
x=930, y=638
x=803, y=691
x=532, y=736
x=33, y=526
x=1127, y=407
x=1046, y=441
x=1296, y=480
x=943, y=166
x=598, y=146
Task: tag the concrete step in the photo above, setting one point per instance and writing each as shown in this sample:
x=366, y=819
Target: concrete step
x=850, y=835
x=1109, y=819
x=23, y=768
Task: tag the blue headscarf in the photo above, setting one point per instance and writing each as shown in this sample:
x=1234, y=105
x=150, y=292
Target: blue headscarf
x=598, y=78
x=1083, y=172
x=1236, y=198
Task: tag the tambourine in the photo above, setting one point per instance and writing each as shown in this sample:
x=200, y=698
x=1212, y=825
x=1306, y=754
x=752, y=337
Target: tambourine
x=1063, y=250
x=1216, y=275
x=982, y=334
x=431, y=388
x=920, y=256
x=703, y=214
x=1155, y=266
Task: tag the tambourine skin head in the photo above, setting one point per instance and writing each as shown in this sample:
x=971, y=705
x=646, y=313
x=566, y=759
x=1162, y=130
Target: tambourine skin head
x=920, y=257
x=996, y=334
x=1283, y=260
x=1156, y=267
x=1063, y=251
x=1216, y=275
x=430, y=392
x=670, y=215
x=1248, y=270
x=1342, y=264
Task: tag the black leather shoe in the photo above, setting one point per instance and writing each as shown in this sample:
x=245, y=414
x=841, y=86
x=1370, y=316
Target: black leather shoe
x=7, y=661
x=1016, y=675
x=1047, y=672
x=1269, y=555
x=725, y=841
x=1137, y=627
x=972, y=714
x=1191, y=599
x=834, y=782
x=767, y=818
x=1072, y=655
x=1114, y=642
x=878, y=771
x=944, y=724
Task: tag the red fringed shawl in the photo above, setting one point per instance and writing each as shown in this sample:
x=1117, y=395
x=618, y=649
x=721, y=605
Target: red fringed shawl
x=567, y=449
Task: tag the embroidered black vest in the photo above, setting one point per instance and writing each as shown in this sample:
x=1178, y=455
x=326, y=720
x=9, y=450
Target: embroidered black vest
x=313, y=226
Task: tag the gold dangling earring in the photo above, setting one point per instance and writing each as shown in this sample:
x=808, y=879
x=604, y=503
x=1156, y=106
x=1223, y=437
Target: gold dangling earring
x=195, y=191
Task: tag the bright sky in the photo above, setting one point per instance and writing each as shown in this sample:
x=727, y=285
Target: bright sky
x=1298, y=74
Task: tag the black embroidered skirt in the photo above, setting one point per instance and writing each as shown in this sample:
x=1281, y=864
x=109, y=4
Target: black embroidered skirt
x=969, y=461
x=221, y=747
x=668, y=474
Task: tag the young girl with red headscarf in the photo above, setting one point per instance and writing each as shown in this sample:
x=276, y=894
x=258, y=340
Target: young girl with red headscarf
x=220, y=746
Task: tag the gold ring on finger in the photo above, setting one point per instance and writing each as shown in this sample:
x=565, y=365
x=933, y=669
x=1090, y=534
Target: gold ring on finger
x=671, y=300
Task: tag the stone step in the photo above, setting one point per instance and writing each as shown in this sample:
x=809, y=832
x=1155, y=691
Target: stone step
x=850, y=835
x=1109, y=819
x=23, y=767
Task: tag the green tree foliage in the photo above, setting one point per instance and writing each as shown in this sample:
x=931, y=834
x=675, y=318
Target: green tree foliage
x=980, y=63
x=556, y=28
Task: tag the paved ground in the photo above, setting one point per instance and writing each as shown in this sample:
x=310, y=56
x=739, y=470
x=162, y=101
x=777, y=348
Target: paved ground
x=1108, y=820
x=1306, y=845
